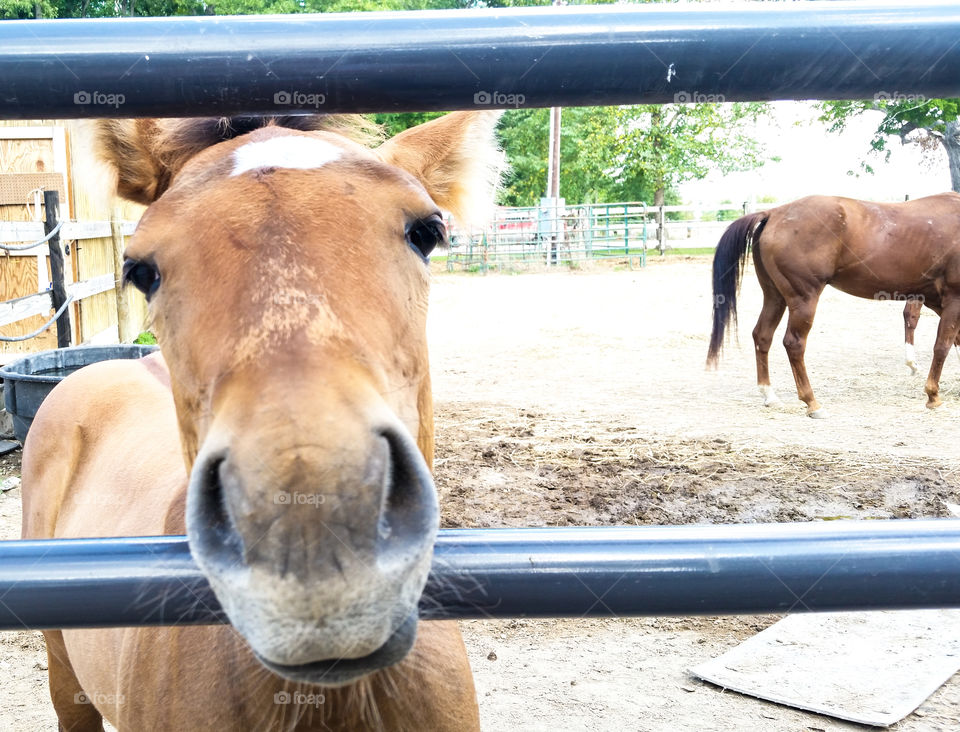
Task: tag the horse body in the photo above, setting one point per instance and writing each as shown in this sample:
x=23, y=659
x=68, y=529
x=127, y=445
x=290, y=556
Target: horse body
x=907, y=250
x=294, y=367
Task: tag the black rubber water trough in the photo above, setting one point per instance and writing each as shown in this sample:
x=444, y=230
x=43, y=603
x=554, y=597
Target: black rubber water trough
x=27, y=381
x=511, y=573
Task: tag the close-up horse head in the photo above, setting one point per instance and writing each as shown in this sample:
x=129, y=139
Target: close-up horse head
x=298, y=258
x=287, y=428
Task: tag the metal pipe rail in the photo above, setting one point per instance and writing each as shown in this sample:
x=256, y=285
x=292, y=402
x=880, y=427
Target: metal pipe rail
x=508, y=573
x=443, y=60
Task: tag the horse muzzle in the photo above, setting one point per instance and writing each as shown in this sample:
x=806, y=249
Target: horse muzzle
x=318, y=551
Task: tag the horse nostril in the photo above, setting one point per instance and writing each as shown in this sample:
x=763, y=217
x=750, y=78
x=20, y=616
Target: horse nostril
x=409, y=510
x=216, y=532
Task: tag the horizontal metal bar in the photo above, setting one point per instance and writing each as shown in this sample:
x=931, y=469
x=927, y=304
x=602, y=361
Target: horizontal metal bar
x=508, y=573
x=465, y=59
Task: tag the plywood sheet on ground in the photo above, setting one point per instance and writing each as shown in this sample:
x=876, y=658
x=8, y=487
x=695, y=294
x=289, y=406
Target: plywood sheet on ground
x=867, y=667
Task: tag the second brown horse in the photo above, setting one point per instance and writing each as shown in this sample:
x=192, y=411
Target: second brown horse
x=879, y=251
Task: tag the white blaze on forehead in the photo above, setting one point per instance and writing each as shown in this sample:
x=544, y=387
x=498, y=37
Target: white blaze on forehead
x=285, y=151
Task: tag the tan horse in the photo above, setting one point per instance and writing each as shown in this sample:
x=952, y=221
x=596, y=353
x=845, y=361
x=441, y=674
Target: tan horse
x=288, y=429
x=872, y=250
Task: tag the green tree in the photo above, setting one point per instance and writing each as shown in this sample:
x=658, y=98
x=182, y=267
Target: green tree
x=629, y=153
x=24, y=9
x=929, y=123
x=663, y=146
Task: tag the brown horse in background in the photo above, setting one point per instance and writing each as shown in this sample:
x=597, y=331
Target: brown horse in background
x=879, y=251
x=287, y=428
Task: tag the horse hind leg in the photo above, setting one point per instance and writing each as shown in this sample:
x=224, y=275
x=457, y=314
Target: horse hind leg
x=75, y=712
x=947, y=334
x=770, y=316
x=911, y=316
x=799, y=322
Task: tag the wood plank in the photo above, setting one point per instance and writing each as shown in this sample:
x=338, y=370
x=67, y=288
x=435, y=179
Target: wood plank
x=86, y=230
x=91, y=287
x=39, y=304
x=27, y=133
x=867, y=667
x=27, y=156
x=12, y=311
x=18, y=276
x=95, y=259
x=22, y=232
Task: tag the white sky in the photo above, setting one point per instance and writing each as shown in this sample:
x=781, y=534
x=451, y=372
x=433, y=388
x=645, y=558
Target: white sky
x=816, y=161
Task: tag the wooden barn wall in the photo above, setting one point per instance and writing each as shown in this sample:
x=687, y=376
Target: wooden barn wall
x=18, y=274
x=94, y=318
x=98, y=314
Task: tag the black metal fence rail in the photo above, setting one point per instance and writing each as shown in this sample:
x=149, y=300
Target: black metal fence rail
x=475, y=60
x=444, y=60
x=509, y=573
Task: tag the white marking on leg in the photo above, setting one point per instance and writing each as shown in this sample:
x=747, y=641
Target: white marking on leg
x=286, y=151
x=770, y=398
x=910, y=357
x=819, y=413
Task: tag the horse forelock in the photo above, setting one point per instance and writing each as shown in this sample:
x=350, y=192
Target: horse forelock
x=147, y=154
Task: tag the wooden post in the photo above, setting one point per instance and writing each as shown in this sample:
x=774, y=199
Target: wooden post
x=51, y=204
x=124, y=329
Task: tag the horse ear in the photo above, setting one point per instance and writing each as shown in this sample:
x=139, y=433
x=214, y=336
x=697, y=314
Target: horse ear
x=130, y=147
x=457, y=160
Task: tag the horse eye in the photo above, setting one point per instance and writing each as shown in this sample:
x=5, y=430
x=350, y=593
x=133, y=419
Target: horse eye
x=425, y=234
x=143, y=275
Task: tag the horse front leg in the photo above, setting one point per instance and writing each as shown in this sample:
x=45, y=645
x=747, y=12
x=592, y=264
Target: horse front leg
x=946, y=337
x=75, y=711
x=799, y=322
x=911, y=316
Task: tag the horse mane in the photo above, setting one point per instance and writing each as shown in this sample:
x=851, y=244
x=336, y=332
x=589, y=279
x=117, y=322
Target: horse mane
x=147, y=153
x=187, y=137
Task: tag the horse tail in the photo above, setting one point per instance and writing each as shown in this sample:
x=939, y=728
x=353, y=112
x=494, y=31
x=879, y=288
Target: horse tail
x=728, y=263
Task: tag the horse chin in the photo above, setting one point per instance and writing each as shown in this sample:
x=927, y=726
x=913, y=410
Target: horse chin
x=342, y=671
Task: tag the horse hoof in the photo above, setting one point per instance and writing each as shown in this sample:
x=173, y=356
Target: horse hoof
x=820, y=413
x=913, y=369
x=931, y=404
x=770, y=398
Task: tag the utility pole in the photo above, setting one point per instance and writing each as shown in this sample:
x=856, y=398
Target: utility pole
x=553, y=162
x=553, y=159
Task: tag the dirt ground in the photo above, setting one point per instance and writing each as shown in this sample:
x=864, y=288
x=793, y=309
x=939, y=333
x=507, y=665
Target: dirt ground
x=582, y=399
